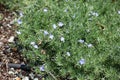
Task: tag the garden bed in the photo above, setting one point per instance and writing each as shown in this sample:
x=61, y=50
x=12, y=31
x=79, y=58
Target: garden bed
x=66, y=39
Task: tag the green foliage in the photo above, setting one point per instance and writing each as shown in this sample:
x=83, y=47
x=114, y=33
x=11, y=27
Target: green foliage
x=75, y=40
x=12, y=4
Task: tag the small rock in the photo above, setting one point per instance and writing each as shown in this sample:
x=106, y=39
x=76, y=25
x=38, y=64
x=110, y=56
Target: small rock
x=35, y=79
x=25, y=78
x=31, y=75
x=12, y=69
x=12, y=22
x=11, y=39
x=1, y=44
x=9, y=25
x=11, y=72
x=16, y=72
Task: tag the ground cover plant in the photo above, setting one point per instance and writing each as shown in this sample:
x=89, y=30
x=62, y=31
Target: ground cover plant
x=12, y=4
x=71, y=39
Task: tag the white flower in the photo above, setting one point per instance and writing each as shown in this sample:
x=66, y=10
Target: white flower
x=46, y=33
x=18, y=32
x=32, y=43
x=51, y=36
x=118, y=12
x=60, y=24
x=45, y=10
x=68, y=53
x=81, y=41
x=35, y=46
x=90, y=45
x=54, y=26
x=19, y=21
x=62, y=39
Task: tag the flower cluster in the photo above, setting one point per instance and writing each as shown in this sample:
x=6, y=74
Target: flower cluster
x=51, y=36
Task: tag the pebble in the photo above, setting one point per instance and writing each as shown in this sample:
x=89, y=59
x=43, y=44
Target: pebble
x=12, y=69
x=1, y=44
x=31, y=75
x=11, y=72
x=25, y=78
x=11, y=39
x=35, y=78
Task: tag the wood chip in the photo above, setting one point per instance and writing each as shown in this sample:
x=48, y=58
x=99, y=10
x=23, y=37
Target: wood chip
x=18, y=78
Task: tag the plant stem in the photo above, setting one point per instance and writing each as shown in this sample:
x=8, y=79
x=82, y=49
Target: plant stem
x=52, y=76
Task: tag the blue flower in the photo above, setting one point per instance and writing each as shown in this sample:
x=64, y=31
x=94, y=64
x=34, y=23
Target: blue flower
x=54, y=26
x=82, y=61
x=81, y=41
x=90, y=45
x=35, y=46
x=62, y=39
x=45, y=10
x=46, y=33
x=60, y=24
x=21, y=14
x=19, y=21
x=51, y=36
x=42, y=68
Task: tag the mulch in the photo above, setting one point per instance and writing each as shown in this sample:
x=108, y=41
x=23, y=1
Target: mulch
x=8, y=51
